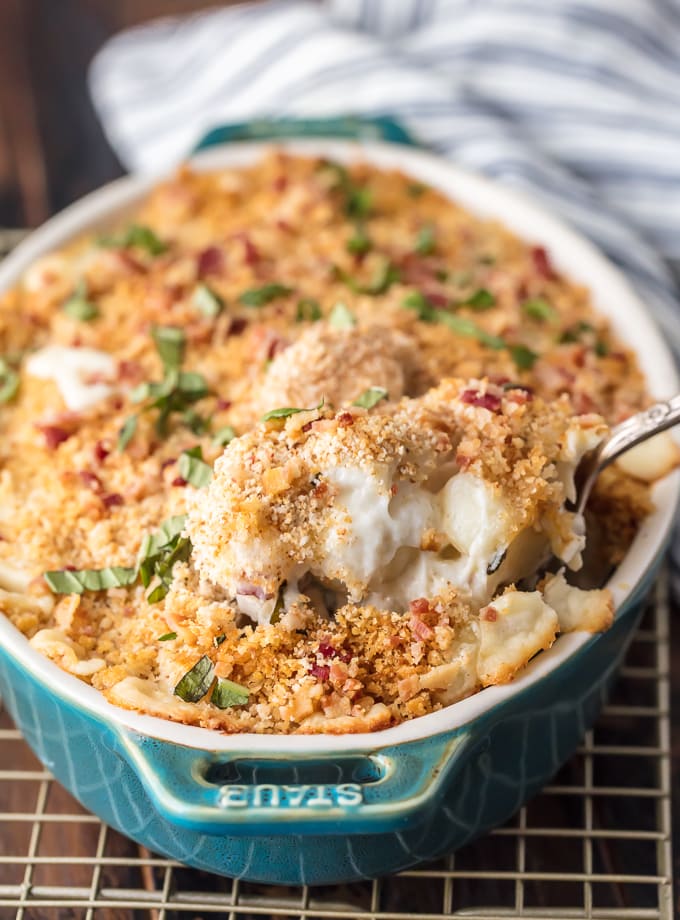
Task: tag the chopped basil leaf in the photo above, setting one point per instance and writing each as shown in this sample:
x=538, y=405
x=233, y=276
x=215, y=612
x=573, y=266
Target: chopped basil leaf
x=227, y=694
x=341, y=317
x=195, y=422
x=601, y=348
x=287, y=411
x=224, y=436
x=167, y=637
x=539, y=309
x=467, y=328
x=371, y=397
x=425, y=241
x=64, y=581
x=279, y=606
x=308, y=310
x=194, y=469
x=523, y=357
x=79, y=307
x=574, y=333
x=170, y=343
x=386, y=275
x=138, y=236
x=480, y=300
x=360, y=242
x=9, y=382
x=259, y=297
x=418, y=301
x=207, y=301
x=126, y=432
x=196, y=682
x=218, y=640
x=357, y=198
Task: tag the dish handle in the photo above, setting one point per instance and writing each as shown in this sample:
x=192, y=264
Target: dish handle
x=243, y=793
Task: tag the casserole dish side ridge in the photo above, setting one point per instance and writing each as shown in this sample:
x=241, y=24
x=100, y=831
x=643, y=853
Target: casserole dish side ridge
x=323, y=809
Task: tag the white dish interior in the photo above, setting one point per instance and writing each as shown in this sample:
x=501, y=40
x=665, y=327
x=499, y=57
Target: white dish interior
x=611, y=295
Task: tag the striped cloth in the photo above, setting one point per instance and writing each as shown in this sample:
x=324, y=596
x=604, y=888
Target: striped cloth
x=575, y=101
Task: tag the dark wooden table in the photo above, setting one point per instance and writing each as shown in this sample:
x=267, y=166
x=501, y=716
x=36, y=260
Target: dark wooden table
x=52, y=149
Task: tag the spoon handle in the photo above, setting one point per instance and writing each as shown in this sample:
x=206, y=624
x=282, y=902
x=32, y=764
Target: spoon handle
x=639, y=427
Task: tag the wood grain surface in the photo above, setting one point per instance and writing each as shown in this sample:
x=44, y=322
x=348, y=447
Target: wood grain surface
x=52, y=149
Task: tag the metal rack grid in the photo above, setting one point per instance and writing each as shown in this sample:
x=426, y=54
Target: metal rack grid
x=594, y=844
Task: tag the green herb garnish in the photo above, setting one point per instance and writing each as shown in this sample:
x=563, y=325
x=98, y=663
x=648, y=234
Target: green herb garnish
x=538, y=309
x=416, y=189
x=223, y=436
x=157, y=555
x=175, y=393
x=136, y=236
x=167, y=637
x=523, y=357
x=386, y=275
x=259, y=297
x=79, y=307
x=358, y=199
x=417, y=301
x=480, y=300
x=425, y=241
x=9, y=382
x=371, y=397
x=341, y=317
x=197, y=681
x=194, y=469
x=207, y=301
x=308, y=310
x=601, y=349
x=466, y=327
x=65, y=581
x=218, y=640
x=360, y=242
x=287, y=411
x=227, y=694
x=575, y=333
x=126, y=432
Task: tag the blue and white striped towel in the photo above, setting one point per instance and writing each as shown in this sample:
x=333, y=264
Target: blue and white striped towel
x=574, y=101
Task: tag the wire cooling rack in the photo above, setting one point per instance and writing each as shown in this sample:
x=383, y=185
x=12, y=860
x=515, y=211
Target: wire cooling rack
x=594, y=844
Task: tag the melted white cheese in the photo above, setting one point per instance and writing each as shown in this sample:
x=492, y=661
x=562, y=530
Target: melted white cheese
x=72, y=369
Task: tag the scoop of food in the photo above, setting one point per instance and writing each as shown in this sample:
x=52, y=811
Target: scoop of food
x=455, y=495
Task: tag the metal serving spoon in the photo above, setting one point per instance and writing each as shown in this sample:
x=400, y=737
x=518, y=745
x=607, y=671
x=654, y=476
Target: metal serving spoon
x=633, y=431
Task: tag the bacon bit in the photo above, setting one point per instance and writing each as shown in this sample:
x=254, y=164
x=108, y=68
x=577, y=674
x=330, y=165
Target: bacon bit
x=131, y=371
x=484, y=400
x=408, y=687
x=420, y=629
x=129, y=263
x=117, y=403
x=326, y=650
x=101, y=451
x=179, y=481
x=223, y=404
x=276, y=346
x=90, y=480
x=237, y=325
x=542, y=263
x=53, y=435
x=69, y=568
x=345, y=419
x=251, y=254
x=115, y=498
x=168, y=462
x=284, y=226
x=499, y=379
x=490, y=614
x=280, y=183
x=210, y=261
x=419, y=606
x=320, y=671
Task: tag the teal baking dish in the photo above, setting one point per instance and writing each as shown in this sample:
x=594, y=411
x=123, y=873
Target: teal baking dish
x=321, y=809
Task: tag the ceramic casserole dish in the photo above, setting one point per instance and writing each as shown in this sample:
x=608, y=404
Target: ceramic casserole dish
x=319, y=809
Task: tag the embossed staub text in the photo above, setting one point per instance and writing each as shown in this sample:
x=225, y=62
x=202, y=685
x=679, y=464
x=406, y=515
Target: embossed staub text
x=268, y=795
